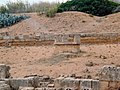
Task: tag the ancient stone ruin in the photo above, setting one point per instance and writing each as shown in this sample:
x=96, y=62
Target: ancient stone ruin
x=109, y=77
x=60, y=39
x=67, y=43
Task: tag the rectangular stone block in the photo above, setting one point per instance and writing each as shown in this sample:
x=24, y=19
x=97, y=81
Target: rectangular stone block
x=1, y=37
x=77, y=39
x=4, y=71
x=95, y=85
x=65, y=38
x=118, y=74
x=67, y=83
x=6, y=37
x=40, y=89
x=5, y=87
x=109, y=73
x=20, y=37
x=58, y=39
x=42, y=81
x=15, y=83
x=89, y=84
x=86, y=84
x=26, y=88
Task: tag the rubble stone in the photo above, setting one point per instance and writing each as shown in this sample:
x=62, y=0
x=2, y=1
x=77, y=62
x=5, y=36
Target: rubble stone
x=26, y=88
x=15, y=83
x=4, y=71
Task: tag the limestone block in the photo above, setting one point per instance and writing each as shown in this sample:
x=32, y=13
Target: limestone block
x=58, y=39
x=26, y=37
x=37, y=36
x=4, y=81
x=95, y=85
x=42, y=81
x=50, y=89
x=109, y=73
x=67, y=83
x=20, y=37
x=45, y=88
x=89, y=84
x=85, y=83
x=40, y=88
x=12, y=37
x=65, y=38
x=1, y=37
x=42, y=37
x=4, y=71
x=4, y=86
x=77, y=39
x=58, y=82
x=118, y=74
x=26, y=88
x=15, y=83
x=6, y=37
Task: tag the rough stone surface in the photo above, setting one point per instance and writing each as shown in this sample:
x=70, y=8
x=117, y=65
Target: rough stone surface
x=4, y=71
x=15, y=83
x=110, y=73
x=89, y=84
x=4, y=86
x=69, y=82
x=26, y=88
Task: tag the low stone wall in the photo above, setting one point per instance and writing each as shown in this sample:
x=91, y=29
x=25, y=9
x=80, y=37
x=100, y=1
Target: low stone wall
x=108, y=80
x=75, y=38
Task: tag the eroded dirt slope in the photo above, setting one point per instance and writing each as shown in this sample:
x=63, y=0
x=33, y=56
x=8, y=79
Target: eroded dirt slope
x=67, y=22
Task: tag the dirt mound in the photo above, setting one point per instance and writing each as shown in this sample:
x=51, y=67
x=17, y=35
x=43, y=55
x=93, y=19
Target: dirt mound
x=110, y=23
x=66, y=22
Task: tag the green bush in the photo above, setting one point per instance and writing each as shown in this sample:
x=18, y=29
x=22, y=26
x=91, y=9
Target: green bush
x=3, y=9
x=94, y=7
x=51, y=12
x=9, y=19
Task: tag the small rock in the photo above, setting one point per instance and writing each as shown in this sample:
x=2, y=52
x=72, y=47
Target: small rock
x=89, y=64
x=103, y=57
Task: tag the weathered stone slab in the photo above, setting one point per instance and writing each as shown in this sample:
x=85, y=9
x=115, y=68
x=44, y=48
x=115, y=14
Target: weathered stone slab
x=19, y=37
x=26, y=88
x=77, y=39
x=40, y=88
x=6, y=37
x=42, y=81
x=4, y=87
x=109, y=73
x=1, y=37
x=89, y=84
x=95, y=85
x=65, y=38
x=67, y=83
x=26, y=37
x=15, y=83
x=4, y=71
x=118, y=74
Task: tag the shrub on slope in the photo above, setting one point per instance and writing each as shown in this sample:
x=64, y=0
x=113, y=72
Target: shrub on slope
x=95, y=7
x=8, y=19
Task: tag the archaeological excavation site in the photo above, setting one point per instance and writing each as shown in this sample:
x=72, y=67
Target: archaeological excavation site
x=65, y=48
x=70, y=45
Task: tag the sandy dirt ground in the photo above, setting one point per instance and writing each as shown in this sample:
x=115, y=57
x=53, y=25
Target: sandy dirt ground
x=67, y=22
x=41, y=60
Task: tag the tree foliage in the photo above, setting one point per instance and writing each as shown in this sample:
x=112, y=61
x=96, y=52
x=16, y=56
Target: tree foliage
x=95, y=7
x=3, y=9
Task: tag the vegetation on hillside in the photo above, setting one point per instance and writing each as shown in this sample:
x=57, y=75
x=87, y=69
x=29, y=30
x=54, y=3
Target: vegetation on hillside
x=94, y=7
x=25, y=7
x=8, y=19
